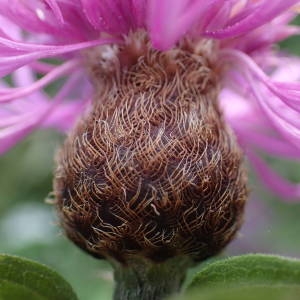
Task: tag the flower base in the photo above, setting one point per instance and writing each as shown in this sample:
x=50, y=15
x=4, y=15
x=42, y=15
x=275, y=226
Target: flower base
x=142, y=279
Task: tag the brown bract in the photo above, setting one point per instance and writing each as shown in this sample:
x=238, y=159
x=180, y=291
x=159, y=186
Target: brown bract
x=152, y=170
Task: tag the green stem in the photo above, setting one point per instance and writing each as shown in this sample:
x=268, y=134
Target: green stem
x=142, y=279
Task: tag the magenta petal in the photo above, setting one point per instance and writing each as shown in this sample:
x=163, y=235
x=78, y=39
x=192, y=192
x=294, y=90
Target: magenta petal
x=9, y=138
x=56, y=10
x=273, y=145
x=15, y=93
x=30, y=53
x=261, y=13
x=65, y=116
x=279, y=106
x=169, y=20
x=115, y=17
x=287, y=190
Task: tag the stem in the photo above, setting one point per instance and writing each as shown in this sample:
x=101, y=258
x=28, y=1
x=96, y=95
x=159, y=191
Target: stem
x=142, y=279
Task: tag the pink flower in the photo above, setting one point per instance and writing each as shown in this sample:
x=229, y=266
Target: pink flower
x=260, y=93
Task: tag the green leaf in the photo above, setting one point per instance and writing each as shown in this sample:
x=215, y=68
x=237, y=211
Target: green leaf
x=247, y=277
x=249, y=270
x=245, y=293
x=22, y=279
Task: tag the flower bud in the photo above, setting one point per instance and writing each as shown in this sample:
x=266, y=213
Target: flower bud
x=152, y=171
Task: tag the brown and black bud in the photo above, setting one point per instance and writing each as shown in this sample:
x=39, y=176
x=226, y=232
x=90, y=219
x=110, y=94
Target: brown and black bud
x=152, y=171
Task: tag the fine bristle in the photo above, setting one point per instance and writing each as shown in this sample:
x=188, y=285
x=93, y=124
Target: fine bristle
x=152, y=170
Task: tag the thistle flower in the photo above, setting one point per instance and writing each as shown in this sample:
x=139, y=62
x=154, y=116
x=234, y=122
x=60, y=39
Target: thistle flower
x=151, y=176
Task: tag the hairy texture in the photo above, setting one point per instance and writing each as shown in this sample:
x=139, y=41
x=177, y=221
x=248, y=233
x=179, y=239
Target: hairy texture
x=152, y=171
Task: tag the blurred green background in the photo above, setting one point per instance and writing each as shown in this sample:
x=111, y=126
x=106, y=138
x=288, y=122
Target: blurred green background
x=28, y=225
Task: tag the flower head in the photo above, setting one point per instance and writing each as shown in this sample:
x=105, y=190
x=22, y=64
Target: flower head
x=152, y=170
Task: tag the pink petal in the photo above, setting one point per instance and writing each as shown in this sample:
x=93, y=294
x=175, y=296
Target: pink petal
x=260, y=12
x=288, y=191
x=31, y=52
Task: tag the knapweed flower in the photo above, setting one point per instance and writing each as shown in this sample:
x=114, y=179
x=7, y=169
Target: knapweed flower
x=167, y=94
